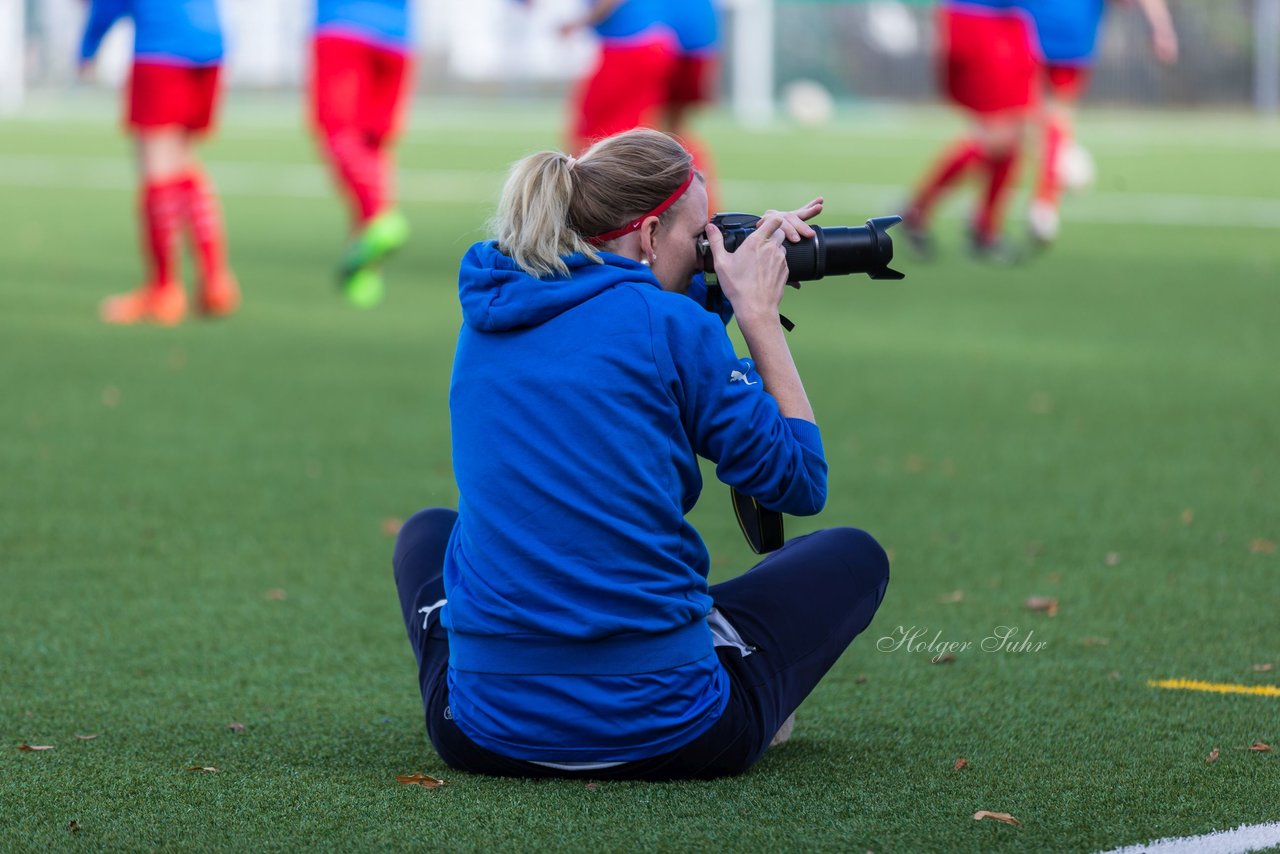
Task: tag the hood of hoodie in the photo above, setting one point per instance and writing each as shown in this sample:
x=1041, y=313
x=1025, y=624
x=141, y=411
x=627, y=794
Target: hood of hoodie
x=497, y=295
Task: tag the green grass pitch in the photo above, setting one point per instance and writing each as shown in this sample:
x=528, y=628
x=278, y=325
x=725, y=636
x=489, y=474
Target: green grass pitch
x=1099, y=426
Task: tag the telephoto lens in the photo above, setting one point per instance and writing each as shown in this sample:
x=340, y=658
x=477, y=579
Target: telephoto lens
x=837, y=251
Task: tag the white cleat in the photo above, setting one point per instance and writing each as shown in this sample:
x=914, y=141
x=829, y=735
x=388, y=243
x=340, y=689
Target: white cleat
x=1043, y=221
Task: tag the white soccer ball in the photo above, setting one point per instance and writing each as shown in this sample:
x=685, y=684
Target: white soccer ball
x=1075, y=167
x=809, y=102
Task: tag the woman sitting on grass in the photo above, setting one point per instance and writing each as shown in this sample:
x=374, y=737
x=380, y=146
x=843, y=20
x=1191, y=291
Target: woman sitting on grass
x=561, y=618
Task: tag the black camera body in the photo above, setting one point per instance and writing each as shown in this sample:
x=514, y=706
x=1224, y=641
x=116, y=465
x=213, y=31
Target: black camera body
x=837, y=251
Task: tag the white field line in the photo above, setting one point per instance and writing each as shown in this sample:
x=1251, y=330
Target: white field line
x=1251, y=837
x=296, y=180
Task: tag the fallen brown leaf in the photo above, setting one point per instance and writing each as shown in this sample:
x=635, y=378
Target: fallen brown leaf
x=276, y=594
x=961, y=763
x=943, y=659
x=952, y=598
x=89, y=737
x=1188, y=516
x=1263, y=668
x=235, y=726
x=860, y=680
x=1112, y=558
x=426, y=781
x=1260, y=747
x=1047, y=604
x=207, y=769
x=1212, y=757
x=32, y=748
x=592, y=786
x=391, y=526
x=73, y=826
x=1041, y=403
x=996, y=816
x=1262, y=547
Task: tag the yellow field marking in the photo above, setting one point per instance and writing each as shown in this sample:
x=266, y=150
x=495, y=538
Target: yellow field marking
x=1216, y=687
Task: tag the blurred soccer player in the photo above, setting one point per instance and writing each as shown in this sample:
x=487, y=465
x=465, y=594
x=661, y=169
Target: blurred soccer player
x=987, y=68
x=1068, y=35
x=171, y=97
x=629, y=86
x=693, y=78
x=360, y=78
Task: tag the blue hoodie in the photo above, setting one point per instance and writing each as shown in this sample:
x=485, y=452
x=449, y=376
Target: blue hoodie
x=577, y=592
x=172, y=32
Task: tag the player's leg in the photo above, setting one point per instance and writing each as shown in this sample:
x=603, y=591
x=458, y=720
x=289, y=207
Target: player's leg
x=1064, y=85
x=781, y=626
x=339, y=81
x=154, y=119
x=382, y=229
x=1000, y=136
x=962, y=71
x=219, y=292
x=1010, y=96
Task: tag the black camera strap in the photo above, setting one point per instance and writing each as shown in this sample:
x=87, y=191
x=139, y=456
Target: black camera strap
x=761, y=527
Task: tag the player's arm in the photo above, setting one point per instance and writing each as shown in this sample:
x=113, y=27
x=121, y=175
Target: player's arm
x=1164, y=38
x=599, y=11
x=102, y=15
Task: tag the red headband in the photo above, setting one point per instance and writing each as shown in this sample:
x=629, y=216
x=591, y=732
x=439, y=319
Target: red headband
x=636, y=223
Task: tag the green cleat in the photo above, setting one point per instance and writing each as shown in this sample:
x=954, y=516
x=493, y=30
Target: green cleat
x=364, y=288
x=383, y=235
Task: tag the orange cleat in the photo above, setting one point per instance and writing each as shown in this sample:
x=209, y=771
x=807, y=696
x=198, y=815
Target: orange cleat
x=220, y=296
x=165, y=305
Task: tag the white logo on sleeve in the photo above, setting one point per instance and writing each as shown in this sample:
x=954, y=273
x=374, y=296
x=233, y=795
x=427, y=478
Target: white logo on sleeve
x=739, y=377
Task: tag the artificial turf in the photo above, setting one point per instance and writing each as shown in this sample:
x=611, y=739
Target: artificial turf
x=192, y=520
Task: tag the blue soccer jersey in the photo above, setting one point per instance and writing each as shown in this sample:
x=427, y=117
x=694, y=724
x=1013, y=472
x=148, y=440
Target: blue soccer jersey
x=384, y=23
x=178, y=32
x=695, y=25
x=633, y=20
x=994, y=6
x=1067, y=29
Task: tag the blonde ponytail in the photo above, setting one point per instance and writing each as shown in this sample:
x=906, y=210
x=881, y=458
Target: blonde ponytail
x=552, y=203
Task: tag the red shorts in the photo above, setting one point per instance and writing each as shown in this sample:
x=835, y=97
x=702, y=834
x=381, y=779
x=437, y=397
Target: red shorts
x=163, y=95
x=694, y=79
x=355, y=85
x=1066, y=82
x=988, y=63
x=626, y=90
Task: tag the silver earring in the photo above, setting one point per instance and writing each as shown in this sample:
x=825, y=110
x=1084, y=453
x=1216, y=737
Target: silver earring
x=644, y=261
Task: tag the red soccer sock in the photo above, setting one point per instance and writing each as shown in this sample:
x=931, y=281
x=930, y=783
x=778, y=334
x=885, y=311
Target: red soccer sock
x=1048, y=187
x=204, y=219
x=160, y=219
x=1000, y=171
x=949, y=169
x=362, y=170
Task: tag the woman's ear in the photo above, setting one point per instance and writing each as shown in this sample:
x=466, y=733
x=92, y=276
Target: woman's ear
x=649, y=238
